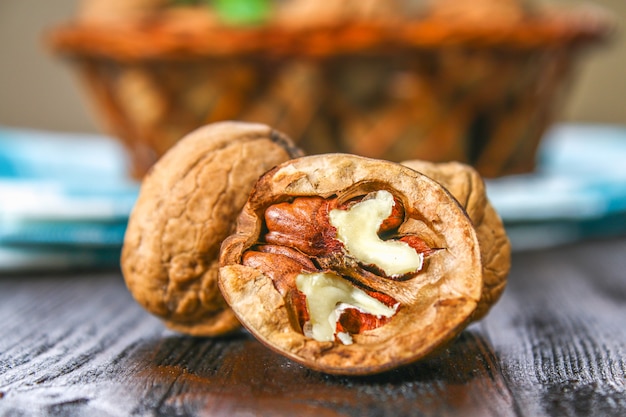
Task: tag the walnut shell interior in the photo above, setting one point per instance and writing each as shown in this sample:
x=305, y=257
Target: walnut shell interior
x=435, y=305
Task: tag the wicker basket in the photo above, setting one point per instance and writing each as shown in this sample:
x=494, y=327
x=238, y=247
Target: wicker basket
x=431, y=87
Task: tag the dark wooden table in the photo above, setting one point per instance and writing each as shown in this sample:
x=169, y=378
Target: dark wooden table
x=77, y=344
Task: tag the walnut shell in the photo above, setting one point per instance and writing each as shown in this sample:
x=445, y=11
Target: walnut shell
x=467, y=186
x=187, y=205
x=435, y=305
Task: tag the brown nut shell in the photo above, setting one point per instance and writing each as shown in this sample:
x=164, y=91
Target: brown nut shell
x=188, y=203
x=467, y=186
x=435, y=305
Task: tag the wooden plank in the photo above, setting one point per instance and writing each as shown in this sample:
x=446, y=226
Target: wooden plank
x=555, y=345
x=559, y=331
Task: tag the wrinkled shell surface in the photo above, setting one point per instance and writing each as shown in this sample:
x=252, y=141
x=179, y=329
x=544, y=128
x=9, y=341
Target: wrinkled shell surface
x=466, y=185
x=435, y=306
x=188, y=204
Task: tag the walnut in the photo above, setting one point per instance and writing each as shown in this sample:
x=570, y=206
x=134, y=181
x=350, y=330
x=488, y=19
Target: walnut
x=467, y=186
x=187, y=205
x=350, y=265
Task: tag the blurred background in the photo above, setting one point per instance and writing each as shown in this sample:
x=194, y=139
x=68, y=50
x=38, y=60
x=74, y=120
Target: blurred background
x=38, y=90
x=65, y=185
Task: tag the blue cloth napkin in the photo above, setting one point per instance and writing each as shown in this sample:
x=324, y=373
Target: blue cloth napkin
x=577, y=192
x=65, y=198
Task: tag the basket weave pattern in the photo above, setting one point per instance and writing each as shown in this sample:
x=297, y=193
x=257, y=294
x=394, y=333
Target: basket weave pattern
x=416, y=91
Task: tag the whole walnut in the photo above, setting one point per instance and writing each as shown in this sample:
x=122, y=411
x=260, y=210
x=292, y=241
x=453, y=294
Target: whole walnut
x=187, y=206
x=350, y=265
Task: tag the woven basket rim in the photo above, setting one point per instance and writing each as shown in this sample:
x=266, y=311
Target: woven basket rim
x=158, y=40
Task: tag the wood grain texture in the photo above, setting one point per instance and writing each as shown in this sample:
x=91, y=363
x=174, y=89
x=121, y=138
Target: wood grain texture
x=555, y=345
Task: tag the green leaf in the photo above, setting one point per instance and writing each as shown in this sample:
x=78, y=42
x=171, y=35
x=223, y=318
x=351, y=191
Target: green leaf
x=243, y=12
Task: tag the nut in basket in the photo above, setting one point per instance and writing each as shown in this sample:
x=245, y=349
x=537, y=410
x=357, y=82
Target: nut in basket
x=396, y=80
